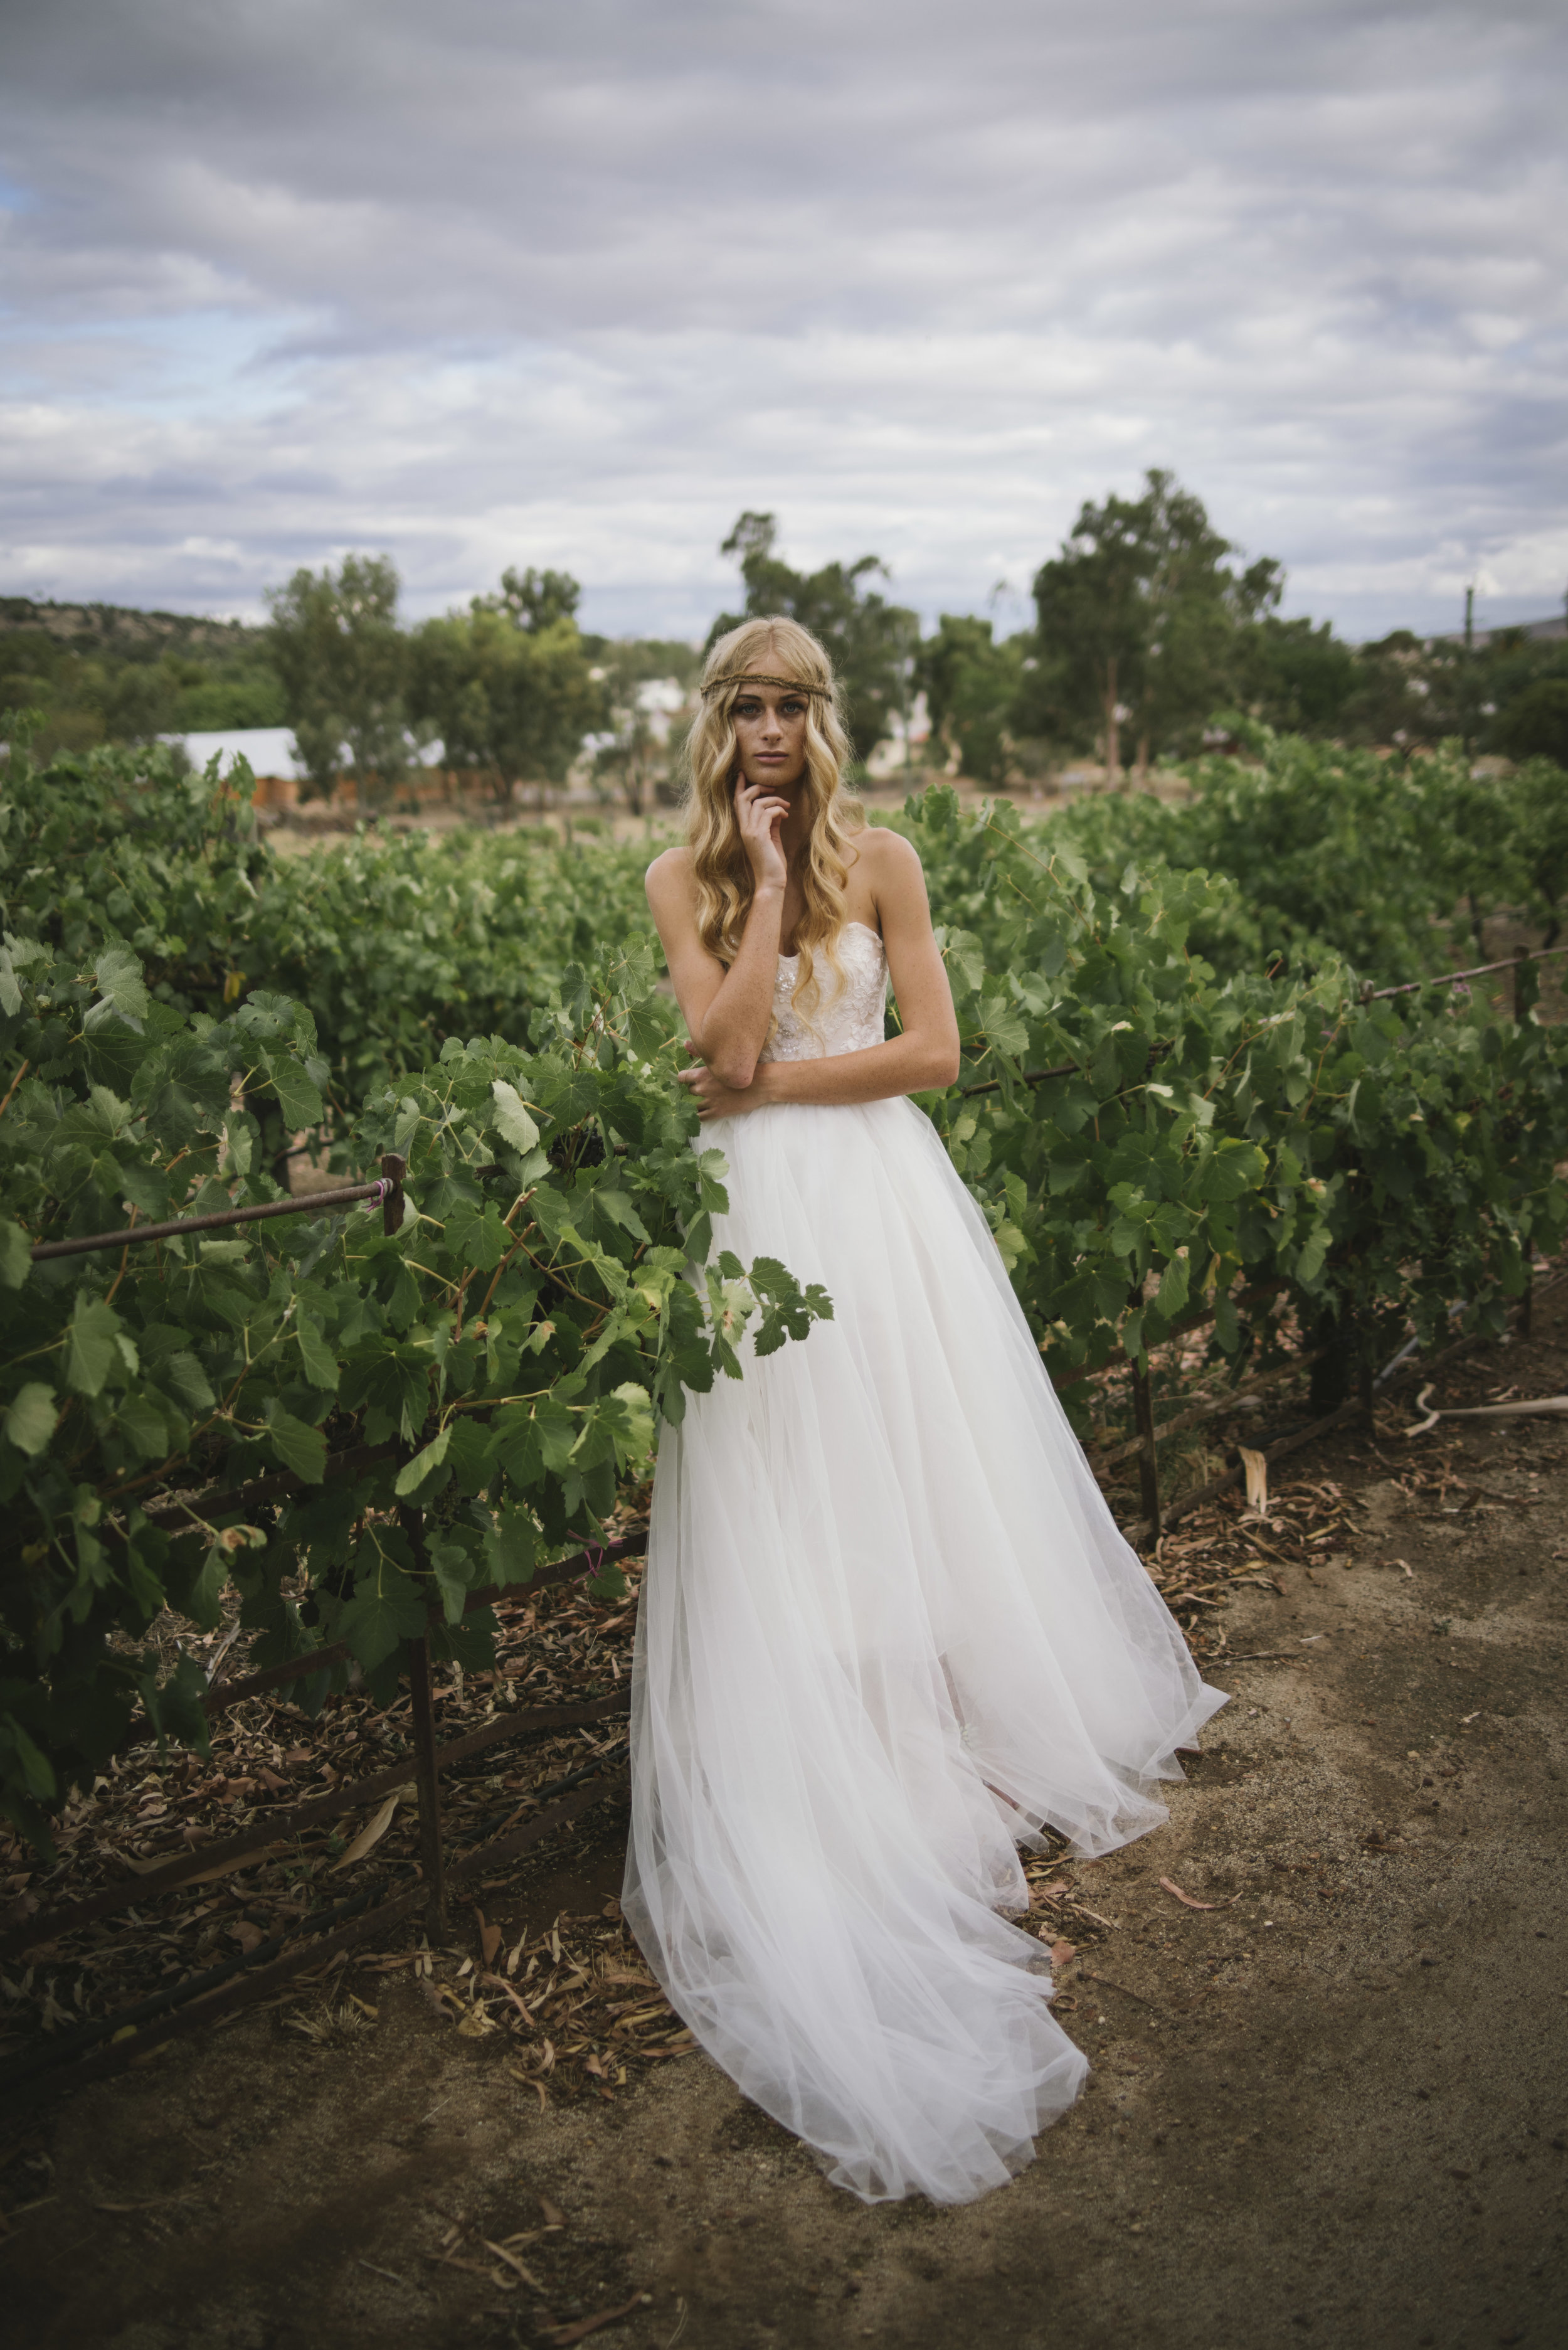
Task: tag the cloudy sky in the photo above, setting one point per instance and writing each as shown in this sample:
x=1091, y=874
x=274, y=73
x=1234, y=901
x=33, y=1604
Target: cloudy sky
x=518, y=281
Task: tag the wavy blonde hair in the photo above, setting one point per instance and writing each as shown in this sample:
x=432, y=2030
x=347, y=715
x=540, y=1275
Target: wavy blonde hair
x=721, y=868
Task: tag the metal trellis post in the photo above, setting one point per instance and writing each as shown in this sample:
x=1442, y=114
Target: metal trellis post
x=427, y=1781
x=1147, y=1457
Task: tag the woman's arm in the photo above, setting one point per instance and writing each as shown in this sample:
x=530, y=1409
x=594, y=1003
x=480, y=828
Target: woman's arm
x=727, y=1013
x=925, y=1056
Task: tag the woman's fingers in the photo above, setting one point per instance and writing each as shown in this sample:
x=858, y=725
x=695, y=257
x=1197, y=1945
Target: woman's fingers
x=714, y=1097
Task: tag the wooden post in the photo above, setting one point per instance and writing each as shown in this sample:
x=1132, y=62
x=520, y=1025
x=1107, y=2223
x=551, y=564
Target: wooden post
x=429, y=1785
x=1148, y=1461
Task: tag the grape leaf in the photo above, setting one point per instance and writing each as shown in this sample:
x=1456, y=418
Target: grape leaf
x=510, y=1117
x=31, y=1417
x=16, y=1254
x=91, y=1353
x=297, y=1445
x=317, y=1359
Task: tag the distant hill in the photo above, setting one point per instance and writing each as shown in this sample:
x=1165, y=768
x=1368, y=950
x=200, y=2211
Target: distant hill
x=1555, y=625
x=119, y=630
x=104, y=672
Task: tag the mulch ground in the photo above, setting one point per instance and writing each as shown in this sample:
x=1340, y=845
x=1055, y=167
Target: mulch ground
x=1323, y=2006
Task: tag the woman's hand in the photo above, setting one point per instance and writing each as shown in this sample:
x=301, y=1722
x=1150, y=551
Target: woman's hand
x=714, y=1099
x=759, y=812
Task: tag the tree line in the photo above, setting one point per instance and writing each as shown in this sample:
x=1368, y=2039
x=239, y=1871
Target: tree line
x=1151, y=637
x=513, y=688
x=93, y=673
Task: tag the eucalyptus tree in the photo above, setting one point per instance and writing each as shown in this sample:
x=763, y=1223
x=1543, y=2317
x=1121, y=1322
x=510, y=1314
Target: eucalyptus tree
x=508, y=684
x=1142, y=622
x=341, y=661
x=972, y=686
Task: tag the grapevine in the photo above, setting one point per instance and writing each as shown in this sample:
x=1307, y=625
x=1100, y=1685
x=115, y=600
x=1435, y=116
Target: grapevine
x=1156, y=1121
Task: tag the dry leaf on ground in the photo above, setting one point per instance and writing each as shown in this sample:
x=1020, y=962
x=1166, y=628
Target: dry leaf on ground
x=370, y=1834
x=513, y=2261
x=583, y=2326
x=1187, y=1897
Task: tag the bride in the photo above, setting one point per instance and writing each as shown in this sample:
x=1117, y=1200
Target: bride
x=888, y=1630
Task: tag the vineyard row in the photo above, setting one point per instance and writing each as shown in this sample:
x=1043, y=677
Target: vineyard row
x=1271, y=1153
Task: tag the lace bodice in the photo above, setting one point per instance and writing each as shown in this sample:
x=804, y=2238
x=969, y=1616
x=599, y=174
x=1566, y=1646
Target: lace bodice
x=845, y=1020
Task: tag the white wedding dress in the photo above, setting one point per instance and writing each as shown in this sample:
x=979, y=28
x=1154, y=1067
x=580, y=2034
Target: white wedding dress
x=888, y=1629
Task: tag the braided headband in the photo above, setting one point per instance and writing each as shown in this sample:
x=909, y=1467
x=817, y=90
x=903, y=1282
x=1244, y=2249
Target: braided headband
x=751, y=677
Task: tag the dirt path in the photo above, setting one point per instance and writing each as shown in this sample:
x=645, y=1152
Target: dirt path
x=1333, y=2106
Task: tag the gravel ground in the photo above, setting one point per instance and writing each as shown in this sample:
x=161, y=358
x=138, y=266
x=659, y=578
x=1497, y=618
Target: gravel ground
x=1331, y=2104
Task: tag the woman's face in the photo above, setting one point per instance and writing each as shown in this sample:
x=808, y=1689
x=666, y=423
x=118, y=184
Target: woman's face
x=770, y=735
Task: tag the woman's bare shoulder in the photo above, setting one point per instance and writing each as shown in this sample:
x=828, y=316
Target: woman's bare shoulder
x=891, y=862
x=667, y=879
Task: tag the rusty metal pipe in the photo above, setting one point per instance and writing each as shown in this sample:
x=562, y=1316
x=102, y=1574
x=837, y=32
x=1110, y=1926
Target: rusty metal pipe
x=134, y=1234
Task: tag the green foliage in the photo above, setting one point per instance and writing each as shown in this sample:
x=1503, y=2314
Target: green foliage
x=400, y=943
x=507, y=684
x=176, y=1002
x=972, y=687
x=395, y=943
x=97, y=672
x=1343, y=852
x=873, y=643
x=516, y=1339
x=124, y=846
x=1146, y=632
x=1496, y=696
x=1294, y=676
x=1378, y=1158
x=341, y=661
x=1535, y=725
x=630, y=662
x=1141, y=622
x=1536, y=839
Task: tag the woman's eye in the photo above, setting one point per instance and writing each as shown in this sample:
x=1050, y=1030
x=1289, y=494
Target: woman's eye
x=747, y=709
x=792, y=709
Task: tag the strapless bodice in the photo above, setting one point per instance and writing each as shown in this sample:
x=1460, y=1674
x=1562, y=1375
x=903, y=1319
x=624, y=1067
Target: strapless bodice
x=847, y=1019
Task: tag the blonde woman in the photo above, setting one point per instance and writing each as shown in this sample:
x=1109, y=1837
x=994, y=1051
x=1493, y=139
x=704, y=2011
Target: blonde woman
x=889, y=1629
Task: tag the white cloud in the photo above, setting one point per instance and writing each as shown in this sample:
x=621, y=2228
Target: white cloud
x=514, y=283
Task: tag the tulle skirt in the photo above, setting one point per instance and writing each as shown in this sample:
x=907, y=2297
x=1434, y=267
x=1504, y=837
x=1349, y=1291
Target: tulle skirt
x=888, y=1631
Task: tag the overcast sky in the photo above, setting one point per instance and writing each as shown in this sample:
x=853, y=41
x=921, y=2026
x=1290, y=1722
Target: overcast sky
x=496, y=281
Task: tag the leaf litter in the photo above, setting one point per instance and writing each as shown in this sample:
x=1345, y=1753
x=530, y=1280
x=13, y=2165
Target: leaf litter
x=574, y=2003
